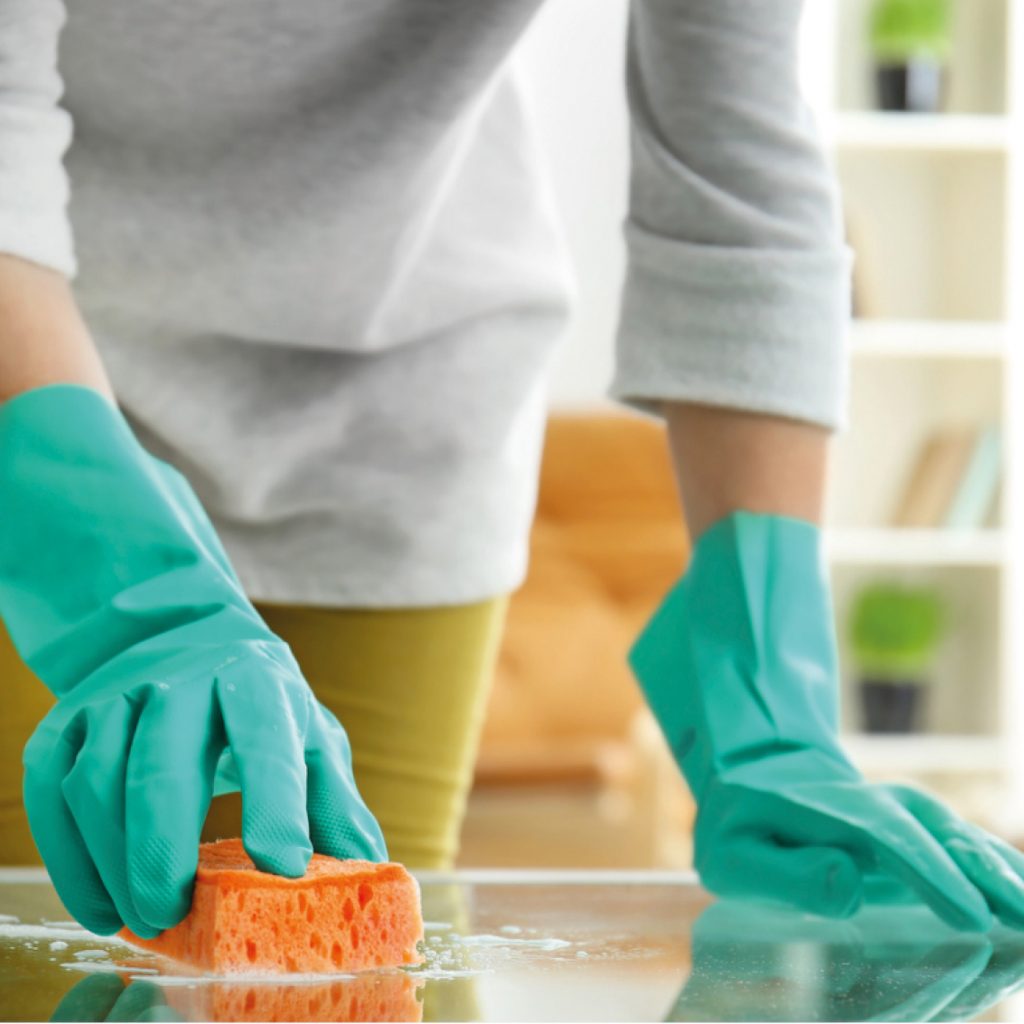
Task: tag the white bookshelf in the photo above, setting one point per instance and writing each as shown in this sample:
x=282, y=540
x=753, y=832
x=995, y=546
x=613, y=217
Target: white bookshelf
x=946, y=754
x=905, y=547
x=922, y=339
x=936, y=215
x=918, y=132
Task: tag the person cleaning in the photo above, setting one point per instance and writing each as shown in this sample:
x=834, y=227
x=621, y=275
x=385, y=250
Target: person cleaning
x=267, y=467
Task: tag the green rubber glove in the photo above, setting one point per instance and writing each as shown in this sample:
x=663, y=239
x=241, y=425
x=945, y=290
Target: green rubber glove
x=118, y=595
x=739, y=668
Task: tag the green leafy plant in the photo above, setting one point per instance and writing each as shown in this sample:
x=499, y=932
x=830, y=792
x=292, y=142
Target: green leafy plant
x=895, y=630
x=903, y=29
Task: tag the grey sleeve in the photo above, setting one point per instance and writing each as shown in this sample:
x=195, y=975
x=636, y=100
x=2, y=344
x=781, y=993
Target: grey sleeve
x=34, y=135
x=737, y=286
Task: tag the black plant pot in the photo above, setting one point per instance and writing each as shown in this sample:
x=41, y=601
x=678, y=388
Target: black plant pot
x=891, y=707
x=914, y=86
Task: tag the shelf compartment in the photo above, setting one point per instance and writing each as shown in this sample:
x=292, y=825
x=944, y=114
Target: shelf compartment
x=965, y=696
x=895, y=406
x=929, y=231
x=977, y=71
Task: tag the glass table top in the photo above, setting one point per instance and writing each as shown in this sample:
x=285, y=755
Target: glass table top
x=545, y=946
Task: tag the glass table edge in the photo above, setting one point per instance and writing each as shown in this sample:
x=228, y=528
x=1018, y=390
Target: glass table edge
x=475, y=876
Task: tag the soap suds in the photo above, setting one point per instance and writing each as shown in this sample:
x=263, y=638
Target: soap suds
x=440, y=974
x=30, y=932
x=502, y=940
x=91, y=954
x=91, y=966
x=446, y=954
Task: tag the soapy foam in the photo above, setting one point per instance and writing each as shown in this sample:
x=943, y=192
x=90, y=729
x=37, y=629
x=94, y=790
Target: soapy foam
x=91, y=954
x=34, y=932
x=548, y=945
x=445, y=954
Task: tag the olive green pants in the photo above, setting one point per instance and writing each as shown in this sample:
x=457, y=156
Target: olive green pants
x=409, y=686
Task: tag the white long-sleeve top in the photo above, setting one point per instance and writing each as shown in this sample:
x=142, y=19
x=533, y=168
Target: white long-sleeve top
x=313, y=242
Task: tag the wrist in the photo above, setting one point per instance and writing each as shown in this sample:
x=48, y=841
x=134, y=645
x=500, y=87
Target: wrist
x=43, y=339
x=728, y=460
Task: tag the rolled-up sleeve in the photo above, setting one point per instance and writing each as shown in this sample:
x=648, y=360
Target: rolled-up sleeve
x=737, y=285
x=34, y=135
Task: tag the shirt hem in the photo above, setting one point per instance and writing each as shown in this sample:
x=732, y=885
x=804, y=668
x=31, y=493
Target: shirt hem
x=269, y=586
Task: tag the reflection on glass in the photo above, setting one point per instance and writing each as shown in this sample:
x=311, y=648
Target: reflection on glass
x=539, y=952
x=109, y=997
x=752, y=962
x=367, y=997
x=456, y=998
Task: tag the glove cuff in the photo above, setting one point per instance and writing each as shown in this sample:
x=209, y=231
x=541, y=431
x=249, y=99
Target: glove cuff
x=93, y=526
x=741, y=653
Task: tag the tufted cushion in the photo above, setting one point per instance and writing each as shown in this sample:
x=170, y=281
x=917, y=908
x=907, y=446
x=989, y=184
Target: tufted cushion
x=608, y=541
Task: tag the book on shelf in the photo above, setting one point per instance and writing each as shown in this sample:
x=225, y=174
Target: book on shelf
x=954, y=481
x=979, y=485
x=993, y=516
x=865, y=303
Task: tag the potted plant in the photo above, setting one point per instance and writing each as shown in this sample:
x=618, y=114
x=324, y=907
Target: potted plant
x=910, y=40
x=894, y=632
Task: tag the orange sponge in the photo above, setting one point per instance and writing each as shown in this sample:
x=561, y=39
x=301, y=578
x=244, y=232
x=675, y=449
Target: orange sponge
x=342, y=915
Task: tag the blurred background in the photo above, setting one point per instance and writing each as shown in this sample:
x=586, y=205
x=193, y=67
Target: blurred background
x=921, y=106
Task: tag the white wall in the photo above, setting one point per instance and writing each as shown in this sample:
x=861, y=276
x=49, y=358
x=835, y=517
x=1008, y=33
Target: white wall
x=573, y=58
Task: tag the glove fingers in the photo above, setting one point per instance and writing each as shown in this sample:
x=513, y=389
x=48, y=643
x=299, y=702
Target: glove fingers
x=882, y=890
x=48, y=759
x=167, y=794
x=993, y=866
x=94, y=790
x=818, y=879
x=340, y=824
x=1009, y=853
x=907, y=850
x=265, y=737
x=983, y=863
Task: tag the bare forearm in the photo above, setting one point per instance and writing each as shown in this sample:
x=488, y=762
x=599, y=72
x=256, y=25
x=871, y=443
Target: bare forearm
x=43, y=339
x=727, y=461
